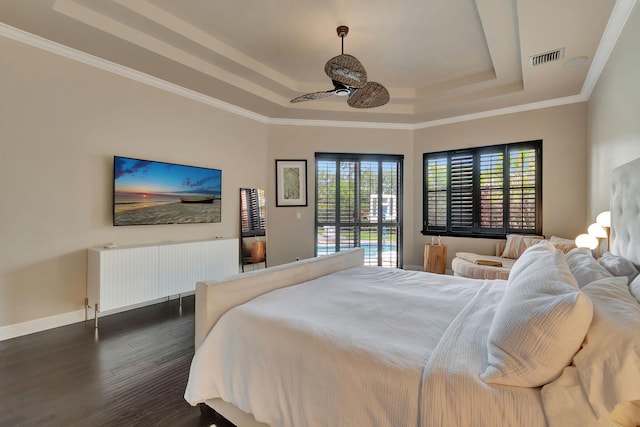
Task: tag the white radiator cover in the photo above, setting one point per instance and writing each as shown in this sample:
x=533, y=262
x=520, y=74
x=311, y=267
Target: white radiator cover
x=121, y=277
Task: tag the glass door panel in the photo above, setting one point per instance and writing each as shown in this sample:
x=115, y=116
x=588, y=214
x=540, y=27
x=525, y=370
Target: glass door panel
x=358, y=204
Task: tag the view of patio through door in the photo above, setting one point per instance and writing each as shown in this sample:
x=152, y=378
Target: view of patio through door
x=359, y=203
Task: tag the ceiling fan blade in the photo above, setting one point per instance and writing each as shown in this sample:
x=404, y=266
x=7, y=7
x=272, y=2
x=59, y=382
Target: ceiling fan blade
x=346, y=69
x=312, y=96
x=370, y=95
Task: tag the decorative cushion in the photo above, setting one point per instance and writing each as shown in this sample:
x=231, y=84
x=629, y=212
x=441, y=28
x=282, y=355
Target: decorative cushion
x=618, y=266
x=516, y=245
x=609, y=359
x=565, y=245
x=540, y=323
x=584, y=267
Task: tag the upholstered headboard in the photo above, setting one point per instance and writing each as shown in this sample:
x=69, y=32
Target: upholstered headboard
x=625, y=211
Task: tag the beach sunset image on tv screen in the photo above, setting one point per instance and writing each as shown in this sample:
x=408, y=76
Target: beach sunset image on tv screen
x=148, y=192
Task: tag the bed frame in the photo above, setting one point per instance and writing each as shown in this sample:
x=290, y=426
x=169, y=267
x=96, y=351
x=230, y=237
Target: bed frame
x=215, y=298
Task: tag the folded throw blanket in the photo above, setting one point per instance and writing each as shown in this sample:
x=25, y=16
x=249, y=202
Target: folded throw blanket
x=479, y=259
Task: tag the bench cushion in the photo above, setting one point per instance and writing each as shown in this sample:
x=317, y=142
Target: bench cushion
x=462, y=266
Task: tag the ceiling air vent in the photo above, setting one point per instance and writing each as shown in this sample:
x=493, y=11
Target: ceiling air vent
x=543, y=58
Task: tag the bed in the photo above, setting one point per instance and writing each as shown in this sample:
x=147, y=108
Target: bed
x=329, y=342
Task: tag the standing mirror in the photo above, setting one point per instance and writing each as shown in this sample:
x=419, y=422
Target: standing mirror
x=253, y=222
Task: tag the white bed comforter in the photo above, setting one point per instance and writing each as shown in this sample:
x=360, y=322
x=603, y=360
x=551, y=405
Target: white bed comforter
x=366, y=346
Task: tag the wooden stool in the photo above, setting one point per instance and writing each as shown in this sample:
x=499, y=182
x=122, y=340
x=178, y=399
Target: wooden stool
x=435, y=258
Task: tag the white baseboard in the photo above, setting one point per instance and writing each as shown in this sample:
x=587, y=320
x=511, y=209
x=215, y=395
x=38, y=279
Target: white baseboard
x=42, y=324
x=64, y=319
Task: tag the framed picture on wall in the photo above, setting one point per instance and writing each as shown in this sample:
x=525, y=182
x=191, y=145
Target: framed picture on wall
x=291, y=183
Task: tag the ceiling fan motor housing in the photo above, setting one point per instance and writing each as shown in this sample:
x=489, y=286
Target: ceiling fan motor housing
x=349, y=80
x=342, y=31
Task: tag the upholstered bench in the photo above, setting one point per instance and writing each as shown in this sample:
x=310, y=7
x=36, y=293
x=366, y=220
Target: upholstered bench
x=478, y=266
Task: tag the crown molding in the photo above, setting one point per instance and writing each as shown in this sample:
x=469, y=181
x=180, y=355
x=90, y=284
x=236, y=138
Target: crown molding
x=341, y=124
x=621, y=12
x=573, y=99
x=111, y=67
x=618, y=19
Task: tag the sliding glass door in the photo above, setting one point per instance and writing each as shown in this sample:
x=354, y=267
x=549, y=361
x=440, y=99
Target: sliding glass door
x=359, y=203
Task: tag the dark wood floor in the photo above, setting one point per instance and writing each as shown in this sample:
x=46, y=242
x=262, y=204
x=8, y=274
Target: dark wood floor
x=133, y=372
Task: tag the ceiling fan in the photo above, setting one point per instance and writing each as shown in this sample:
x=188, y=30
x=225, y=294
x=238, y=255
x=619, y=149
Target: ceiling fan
x=349, y=79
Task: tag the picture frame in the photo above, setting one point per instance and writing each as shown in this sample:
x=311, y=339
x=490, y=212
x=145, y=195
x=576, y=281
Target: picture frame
x=291, y=183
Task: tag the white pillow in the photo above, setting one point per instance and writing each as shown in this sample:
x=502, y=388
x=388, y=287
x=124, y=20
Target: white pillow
x=618, y=266
x=609, y=362
x=539, y=324
x=584, y=267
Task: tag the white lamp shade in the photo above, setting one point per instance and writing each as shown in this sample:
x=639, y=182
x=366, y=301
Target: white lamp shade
x=604, y=219
x=597, y=231
x=586, y=241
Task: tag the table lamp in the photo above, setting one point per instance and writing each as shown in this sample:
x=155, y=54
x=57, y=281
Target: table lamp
x=586, y=241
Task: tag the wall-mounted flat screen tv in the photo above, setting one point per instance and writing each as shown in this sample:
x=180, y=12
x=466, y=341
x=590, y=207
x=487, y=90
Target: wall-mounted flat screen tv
x=149, y=192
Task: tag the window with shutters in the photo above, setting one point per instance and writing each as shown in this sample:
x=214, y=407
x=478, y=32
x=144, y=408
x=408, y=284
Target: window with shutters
x=484, y=192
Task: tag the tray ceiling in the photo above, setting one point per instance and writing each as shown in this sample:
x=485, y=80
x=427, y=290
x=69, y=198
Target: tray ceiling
x=439, y=59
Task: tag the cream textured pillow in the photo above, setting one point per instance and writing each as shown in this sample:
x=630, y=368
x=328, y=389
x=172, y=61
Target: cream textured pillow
x=516, y=245
x=584, y=267
x=609, y=362
x=539, y=325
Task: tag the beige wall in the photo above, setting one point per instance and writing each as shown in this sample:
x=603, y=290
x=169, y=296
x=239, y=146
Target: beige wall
x=614, y=115
x=61, y=123
x=564, y=168
x=289, y=237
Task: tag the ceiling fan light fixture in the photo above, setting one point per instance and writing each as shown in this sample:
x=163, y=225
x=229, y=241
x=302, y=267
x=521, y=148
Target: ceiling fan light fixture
x=348, y=76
